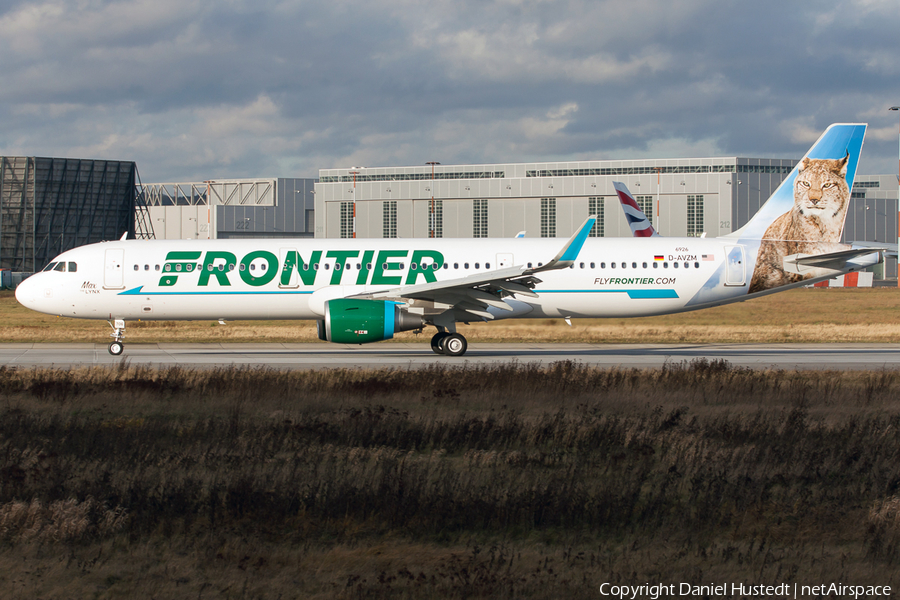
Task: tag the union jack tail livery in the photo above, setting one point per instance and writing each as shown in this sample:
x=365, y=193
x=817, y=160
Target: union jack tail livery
x=637, y=220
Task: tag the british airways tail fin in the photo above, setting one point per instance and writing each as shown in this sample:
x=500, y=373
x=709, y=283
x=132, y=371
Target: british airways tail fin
x=637, y=220
x=815, y=195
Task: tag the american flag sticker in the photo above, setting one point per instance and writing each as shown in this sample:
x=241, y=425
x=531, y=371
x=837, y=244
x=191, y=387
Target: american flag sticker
x=708, y=257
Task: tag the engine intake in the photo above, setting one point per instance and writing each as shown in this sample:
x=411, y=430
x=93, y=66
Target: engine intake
x=352, y=321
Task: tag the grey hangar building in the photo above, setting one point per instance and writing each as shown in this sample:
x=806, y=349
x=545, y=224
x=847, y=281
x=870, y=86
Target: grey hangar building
x=49, y=205
x=682, y=198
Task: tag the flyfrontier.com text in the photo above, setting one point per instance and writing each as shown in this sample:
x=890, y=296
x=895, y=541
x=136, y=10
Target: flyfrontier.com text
x=784, y=590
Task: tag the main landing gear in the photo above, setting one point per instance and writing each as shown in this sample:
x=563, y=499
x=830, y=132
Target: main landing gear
x=116, y=347
x=450, y=344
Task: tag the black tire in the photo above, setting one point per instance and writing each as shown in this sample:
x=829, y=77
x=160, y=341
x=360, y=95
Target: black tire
x=454, y=345
x=116, y=348
x=437, y=342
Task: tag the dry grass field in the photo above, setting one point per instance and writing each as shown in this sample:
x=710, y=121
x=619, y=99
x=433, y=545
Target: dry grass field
x=803, y=315
x=507, y=481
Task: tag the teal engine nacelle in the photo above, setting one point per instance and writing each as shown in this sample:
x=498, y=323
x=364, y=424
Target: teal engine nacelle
x=351, y=321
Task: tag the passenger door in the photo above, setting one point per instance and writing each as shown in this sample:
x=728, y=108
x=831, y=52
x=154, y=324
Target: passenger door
x=114, y=269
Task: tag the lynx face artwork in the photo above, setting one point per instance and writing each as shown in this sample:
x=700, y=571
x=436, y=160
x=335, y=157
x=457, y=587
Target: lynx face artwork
x=812, y=226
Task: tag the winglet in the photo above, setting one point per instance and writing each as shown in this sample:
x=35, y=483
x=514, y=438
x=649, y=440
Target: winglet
x=637, y=220
x=566, y=257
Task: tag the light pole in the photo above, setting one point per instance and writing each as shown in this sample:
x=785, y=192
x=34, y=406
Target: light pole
x=354, y=173
x=431, y=223
x=208, y=201
x=658, y=171
x=897, y=108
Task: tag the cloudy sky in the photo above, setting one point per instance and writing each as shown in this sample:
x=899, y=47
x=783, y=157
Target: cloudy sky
x=194, y=89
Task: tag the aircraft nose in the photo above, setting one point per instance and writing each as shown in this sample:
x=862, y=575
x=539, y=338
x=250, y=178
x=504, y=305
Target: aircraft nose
x=26, y=292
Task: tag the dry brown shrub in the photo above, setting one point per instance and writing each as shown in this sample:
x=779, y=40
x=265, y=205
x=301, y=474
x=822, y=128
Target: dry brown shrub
x=59, y=521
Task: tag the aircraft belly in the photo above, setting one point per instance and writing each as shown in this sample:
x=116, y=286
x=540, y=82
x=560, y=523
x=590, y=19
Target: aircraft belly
x=236, y=305
x=595, y=304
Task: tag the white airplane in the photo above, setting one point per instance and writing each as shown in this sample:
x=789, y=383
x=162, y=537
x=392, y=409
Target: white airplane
x=366, y=290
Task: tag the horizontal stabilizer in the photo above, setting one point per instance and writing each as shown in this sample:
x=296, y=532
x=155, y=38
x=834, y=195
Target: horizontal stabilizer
x=889, y=249
x=837, y=261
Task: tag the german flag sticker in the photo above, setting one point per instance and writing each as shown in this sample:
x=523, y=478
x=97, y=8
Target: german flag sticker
x=658, y=257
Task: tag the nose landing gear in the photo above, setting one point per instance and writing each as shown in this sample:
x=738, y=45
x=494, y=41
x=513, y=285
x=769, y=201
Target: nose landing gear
x=116, y=347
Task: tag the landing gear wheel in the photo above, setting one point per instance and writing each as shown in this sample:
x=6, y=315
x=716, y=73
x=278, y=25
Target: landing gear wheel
x=454, y=345
x=437, y=342
x=116, y=348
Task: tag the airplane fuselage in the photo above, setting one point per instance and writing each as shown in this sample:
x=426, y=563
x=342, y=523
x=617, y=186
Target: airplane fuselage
x=286, y=278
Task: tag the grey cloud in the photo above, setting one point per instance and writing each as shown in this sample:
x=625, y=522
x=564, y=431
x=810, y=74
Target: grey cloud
x=193, y=89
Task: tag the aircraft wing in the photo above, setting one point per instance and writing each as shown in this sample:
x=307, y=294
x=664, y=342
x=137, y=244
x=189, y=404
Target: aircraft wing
x=475, y=293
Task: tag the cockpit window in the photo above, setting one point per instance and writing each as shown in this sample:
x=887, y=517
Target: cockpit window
x=73, y=267
x=50, y=266
x=60, y=266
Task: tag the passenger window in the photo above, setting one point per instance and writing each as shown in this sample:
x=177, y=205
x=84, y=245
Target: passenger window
x=592, y=265
x=327, y=266
x=466, y=265
x=696, y=265
x=337, y=266
x=178, y=267
x=656, y=265
x=243, y=267
x=63, y=265
x=368, y=266
x=634, y=265
x=252, y=267
x=316, y=266
x=359, y=266
x=603, y=265
x=435, y=266
x=487, y=265
x=623, y=265
x=230, y=267
x=446, y=266
x=674, y=265
x=156, y=267
x=581, y=265
x=477, y=265
x=73, y=267
x=455, y=265
x=612, y=265
x=645, y=265
x=665, y=265
x=414, y=267
x=146, y=267
x=686, y=265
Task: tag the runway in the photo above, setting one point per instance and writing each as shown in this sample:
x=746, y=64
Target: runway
x=404, y=355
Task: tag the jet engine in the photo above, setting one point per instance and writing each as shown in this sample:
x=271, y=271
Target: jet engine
x=359, y=321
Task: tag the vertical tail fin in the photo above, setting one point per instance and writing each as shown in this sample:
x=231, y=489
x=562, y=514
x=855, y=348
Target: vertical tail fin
x=637, y=220
x=816, y=191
